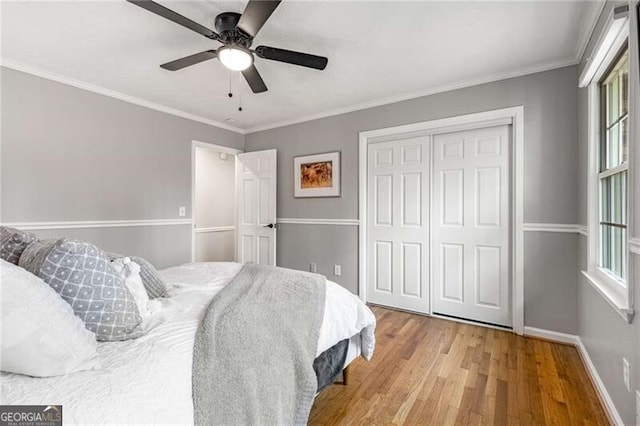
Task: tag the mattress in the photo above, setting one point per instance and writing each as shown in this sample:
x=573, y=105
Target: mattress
x=148, y=380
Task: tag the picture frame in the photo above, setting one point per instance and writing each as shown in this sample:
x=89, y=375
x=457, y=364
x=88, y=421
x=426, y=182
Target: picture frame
x=317, y=175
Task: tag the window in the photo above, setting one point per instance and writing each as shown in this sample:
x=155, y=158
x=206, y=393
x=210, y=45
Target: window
x=613, y=155
x=606, y=77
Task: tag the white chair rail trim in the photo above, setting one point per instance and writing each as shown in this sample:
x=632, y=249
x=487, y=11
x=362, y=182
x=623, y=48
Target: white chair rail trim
x=305, y=221
x=35, y=226
x=214, y=229
x=568, y=228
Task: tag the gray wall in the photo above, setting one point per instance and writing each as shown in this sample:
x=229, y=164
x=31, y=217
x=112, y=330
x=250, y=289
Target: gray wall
x=73, y=155
x=215, y=184
x=606, y=336
x=550, y=179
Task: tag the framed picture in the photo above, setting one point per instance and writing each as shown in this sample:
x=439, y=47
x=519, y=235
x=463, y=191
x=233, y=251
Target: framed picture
x=317, y=175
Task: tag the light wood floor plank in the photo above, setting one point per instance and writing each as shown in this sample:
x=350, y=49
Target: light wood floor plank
x=429, y=371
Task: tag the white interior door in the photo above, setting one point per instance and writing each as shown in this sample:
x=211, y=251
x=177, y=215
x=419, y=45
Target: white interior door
x=471, y=223
x=398, y=224
x=256, y=197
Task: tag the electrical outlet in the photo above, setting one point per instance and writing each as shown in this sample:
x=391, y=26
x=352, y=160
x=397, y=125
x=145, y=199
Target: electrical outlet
x=313, y=267
x=626, y=373
x=182, y=211
x=337, y=270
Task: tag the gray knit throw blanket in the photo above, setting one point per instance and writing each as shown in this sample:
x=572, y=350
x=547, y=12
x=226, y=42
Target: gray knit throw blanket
x=254, y=350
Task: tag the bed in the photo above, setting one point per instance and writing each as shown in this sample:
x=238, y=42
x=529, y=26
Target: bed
x=149, y=379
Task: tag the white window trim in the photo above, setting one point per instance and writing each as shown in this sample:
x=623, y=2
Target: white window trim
x=614, y=291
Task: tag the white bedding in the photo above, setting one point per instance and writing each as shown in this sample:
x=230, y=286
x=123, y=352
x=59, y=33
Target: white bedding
x=148, y=380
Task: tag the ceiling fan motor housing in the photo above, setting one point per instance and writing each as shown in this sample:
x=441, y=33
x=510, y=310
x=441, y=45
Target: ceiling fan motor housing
x=226, y=26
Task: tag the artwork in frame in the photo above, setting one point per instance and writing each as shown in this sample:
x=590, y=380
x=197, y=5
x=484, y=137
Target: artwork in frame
x=317, y=175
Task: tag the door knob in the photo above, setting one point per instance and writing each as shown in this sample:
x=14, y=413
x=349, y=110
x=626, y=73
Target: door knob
x=272, y=226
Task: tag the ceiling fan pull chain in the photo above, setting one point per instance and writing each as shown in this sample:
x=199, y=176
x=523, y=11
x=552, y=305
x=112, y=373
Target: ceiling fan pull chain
x=239, y=93
x=230, y=92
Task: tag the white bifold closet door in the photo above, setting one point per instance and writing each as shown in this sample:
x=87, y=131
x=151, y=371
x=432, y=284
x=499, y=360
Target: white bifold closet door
x=471, y=225
x=256, y=207
x=398, y=224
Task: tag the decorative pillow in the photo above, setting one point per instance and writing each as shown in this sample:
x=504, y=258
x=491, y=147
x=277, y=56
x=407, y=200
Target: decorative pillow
x=155, y=286
x=13, y=242
x=130, y=273
x=82, y=274
x=40, y=334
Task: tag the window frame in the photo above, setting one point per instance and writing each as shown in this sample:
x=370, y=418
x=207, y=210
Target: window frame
x=616, y=291
x=606, y=171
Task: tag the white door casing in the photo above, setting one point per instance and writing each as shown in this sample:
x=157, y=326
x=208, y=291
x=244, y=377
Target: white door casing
x=256, y=186
x=471, y=225
x=194, y=201
x=398, y=224
x=513, y=116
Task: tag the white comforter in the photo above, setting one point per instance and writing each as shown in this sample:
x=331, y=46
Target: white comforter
x=148, y=380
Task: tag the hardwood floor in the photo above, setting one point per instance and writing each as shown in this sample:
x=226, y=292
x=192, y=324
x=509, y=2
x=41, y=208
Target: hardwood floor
x=430, y=371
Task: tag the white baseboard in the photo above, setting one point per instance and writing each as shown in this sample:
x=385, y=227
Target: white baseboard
x=572, y=339
x=555, y=336
x=597, y=381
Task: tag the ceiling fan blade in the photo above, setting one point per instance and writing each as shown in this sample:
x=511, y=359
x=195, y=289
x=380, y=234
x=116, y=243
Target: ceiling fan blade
x=187, y=61
x=255, y=15
x=169, y=14
x=254, y=80
x=290, y=57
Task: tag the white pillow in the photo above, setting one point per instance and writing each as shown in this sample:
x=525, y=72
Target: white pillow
x=41, y=336
x=130, y=272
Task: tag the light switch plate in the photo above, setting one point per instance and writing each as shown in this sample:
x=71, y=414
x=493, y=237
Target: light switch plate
x=182, y=211
x=337, y=270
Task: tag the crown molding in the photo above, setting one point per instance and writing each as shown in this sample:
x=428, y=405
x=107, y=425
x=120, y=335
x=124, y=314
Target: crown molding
x=589, y=25
x=589, y=22
x=418, y=94
x=17, y=66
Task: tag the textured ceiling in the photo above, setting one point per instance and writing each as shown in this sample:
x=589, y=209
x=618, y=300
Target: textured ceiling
x=377, y=51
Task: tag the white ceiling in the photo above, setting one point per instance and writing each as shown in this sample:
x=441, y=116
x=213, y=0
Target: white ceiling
x=378, y=51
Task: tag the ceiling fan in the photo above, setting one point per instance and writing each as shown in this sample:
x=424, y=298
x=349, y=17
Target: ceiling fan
x=236, y=33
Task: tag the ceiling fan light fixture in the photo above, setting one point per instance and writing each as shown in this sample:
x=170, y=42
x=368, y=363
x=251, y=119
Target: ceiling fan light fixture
x=235, y=58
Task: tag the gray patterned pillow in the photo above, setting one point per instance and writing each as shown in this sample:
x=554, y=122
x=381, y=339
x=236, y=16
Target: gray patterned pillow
x=13, y=242
x=82, y=274
x=155, y=286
